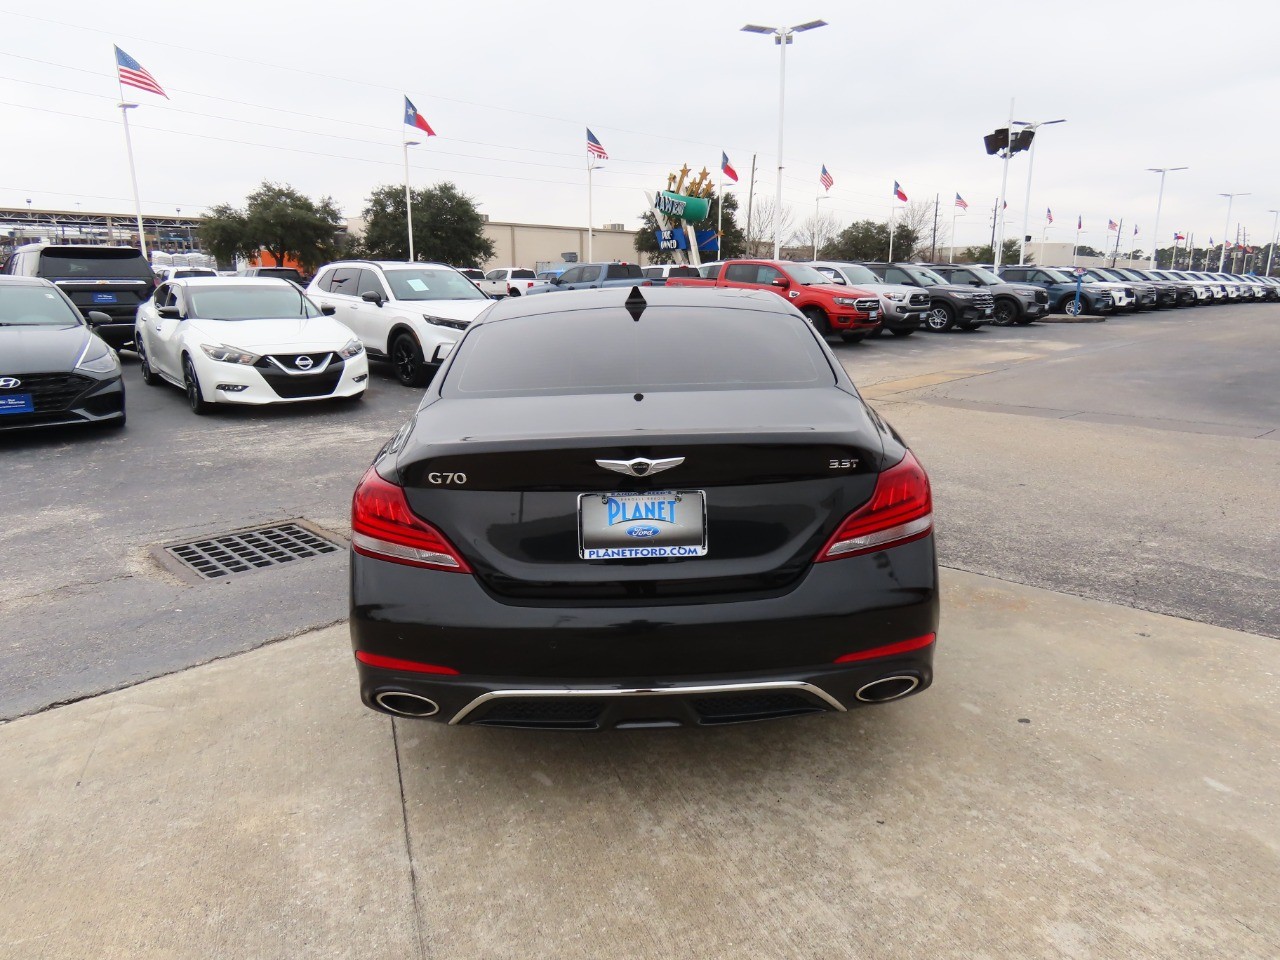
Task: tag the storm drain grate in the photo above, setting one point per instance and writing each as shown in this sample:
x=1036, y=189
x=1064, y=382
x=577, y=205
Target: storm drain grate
x=251, y=550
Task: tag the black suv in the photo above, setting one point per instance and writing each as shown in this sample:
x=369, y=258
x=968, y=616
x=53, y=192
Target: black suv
x=113, y=281
x=1061, y=288
x=1015, y=302
x=950, y=304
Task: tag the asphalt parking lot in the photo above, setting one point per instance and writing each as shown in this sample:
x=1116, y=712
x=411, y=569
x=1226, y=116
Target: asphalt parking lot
x=1092, y=774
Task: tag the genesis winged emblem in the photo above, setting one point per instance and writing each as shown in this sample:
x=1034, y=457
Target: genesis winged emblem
x=640, y=466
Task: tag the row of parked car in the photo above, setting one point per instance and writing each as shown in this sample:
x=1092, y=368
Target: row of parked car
x=239, y=339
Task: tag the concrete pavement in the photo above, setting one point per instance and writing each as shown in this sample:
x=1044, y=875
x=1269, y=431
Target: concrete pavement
x=1083, y=780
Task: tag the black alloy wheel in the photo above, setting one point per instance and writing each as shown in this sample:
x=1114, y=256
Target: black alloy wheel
x=940, y=318
x=198, y=404
x=149, y=376
x=410, y=366
x=819, y=321
x=1006, y=313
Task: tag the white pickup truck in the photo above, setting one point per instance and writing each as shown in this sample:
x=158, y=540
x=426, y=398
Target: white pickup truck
x=509, y=282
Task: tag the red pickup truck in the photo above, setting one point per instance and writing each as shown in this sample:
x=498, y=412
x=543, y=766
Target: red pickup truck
x=848, y=311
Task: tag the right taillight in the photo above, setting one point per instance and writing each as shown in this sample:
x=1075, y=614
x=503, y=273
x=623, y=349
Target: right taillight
x=385, y=528
x=900, y=510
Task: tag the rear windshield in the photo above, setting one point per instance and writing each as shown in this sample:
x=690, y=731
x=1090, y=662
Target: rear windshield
x=184, y=274
x=431, y=283
x=284, y=273
x=244, y=302
x=35, y=306
x=667, y=349
x=623, y=271
x=103, y=264
x=522, y=275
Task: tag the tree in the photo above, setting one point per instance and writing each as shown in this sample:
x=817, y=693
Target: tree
x=816, y=232
x=278, y=219
x=733, y=242
x=447, y=227
x=869, y=240
x=1084, y=250
x=917, y=217
x=985, y=254
x=763, y=217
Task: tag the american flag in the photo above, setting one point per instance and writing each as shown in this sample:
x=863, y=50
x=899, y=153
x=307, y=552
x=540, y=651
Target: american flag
x=961, y=203
x=1112, y=225
x=593, y=146
x=1080, y=222
x=1135, y=229
x=132, y=74
x=825, y=179
x=1048, y=214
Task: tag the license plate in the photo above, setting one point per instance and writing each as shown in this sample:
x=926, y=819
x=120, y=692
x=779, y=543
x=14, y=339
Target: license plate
x=104, y=298
x=16, y=403
x=873, y=314
x=660, y=523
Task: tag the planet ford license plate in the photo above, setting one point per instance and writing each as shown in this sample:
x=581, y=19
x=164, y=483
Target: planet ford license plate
x=660, y=523
x=16, y=403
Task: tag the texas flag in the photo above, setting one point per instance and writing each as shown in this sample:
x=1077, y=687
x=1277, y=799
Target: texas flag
x=897, y=192
x=727, y=168
x=412, y=118
x=1177, y=236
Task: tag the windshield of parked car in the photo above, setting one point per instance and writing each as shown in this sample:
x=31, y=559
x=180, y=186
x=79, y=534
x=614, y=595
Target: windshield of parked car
x=806, y=275
x=106, y=263
x=925, y=277
x=983, y=274
x=35, y=306
x=430, y=283
x=245, y=302
x=702, y=348
x=184, y=274
x=854, y=273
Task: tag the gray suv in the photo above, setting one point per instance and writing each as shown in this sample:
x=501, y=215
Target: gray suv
x=1014, y=302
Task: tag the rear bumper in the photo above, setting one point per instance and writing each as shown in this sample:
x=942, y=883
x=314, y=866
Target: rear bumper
x=836, y=608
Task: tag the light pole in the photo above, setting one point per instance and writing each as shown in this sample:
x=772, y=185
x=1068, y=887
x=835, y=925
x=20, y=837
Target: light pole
x=1222, y=260
x=1031, y=162
x=408, y=204
x=781, y=36
x=1159, y=201
x=816, y=200
x=1275, y=221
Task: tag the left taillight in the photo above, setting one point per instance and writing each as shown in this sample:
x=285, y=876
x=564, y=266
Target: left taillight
x=385, y=528
x=899, y=511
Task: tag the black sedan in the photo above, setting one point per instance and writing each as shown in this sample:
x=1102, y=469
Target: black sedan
x=53, y=369
x=641, y=509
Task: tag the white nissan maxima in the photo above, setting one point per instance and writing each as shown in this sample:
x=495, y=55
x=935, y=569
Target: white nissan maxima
x=246, y=340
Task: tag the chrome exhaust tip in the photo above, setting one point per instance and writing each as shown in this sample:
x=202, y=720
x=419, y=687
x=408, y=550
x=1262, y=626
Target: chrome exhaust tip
x=404, y=704
x=887, y=688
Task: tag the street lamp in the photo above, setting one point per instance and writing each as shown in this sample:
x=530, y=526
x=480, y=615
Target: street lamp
x=1275, y=221
x=1222, y=260
x=408, y=204
x=781, y=36
x=1031, y=162
x=1160, y=200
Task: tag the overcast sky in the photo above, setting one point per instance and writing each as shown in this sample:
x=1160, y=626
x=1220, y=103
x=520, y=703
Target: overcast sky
x=310, y=94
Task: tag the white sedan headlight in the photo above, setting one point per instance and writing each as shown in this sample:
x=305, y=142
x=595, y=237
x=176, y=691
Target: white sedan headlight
x=353, y=349
x=225, y=354
x=895, y=296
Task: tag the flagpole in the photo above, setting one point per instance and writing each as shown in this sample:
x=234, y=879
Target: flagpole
x=133, y=173
x=408, y=203
x=998, y=245
x=816, y=199
x=590, y=215
x=1044, y=236
x=954, y=214
x=720, y=215
x=893, y=208
x=1075, y=249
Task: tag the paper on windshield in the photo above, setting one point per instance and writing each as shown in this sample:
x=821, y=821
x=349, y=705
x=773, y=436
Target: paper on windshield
x=416, y=284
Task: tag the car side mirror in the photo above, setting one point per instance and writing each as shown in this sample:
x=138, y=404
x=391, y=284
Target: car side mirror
x=372, y=296
x=441, y=351
x=168, y=313
x=96, y=318
x=557, y=281
x=839, y=280
x=782, y=282
x=328, y=309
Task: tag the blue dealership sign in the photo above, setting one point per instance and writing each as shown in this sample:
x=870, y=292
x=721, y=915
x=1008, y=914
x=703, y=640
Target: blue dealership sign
x=671, y=239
